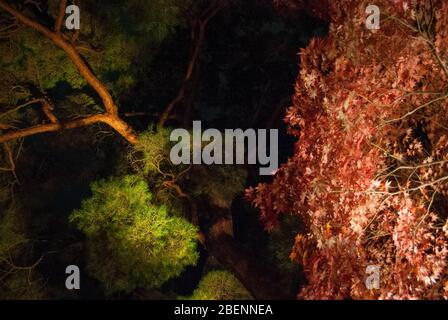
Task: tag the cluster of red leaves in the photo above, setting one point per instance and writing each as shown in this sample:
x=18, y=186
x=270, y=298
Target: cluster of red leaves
x=369, y=175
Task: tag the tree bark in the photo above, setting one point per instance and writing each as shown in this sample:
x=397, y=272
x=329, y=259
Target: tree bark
x=116, y=123
x=260, y=280
x=198, y=36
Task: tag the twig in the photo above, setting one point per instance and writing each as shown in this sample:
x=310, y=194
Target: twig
x=60, y=17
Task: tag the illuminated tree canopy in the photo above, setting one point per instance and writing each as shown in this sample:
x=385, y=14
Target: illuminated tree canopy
x=369, y=172
x=132, y=242
x=87, y=178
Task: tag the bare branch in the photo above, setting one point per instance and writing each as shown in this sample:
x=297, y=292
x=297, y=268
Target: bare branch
x=418, y=108
x=201, y=24
x=20, y=107
x=34, y=3
x=424, y=35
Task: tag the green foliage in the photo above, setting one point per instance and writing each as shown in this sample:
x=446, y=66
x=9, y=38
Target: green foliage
x=219, y=285
x=112, y=39
x=281, y=240
x=133, y=242
x=128, y=32
x=30, y=57
x=152, y=153
x=220, y=183
x=151, y=157
x=16, y=280
x=19, y=286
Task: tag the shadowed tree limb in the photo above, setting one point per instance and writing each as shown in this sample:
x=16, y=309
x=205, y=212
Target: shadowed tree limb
x=198, y=34
x=61, y=14
x=259, y=279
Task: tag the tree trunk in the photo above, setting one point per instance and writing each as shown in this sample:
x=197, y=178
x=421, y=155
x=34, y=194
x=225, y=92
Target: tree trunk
x=260, y=280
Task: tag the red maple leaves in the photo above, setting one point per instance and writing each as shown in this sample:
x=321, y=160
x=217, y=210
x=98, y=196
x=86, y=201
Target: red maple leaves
x=369, y=174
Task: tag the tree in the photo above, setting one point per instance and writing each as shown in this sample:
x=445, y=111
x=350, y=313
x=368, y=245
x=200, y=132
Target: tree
x=219, y=285
x=110, y=115
x=97, y=56
x=132, y=242
x=368, y=177
x=208, y=193
x=98, y=66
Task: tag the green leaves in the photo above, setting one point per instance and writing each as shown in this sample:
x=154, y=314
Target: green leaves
x=219, y=285
x=132, y=242
x=117, y=40
x=153, y=148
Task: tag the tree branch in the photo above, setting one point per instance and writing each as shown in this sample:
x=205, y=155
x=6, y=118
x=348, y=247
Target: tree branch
x=60, y=17
x=113, y=121
x=201, y=24
x=48, y=110
x=20, y=107
x=110, y=116
x=72, y=53
x=50, y=127
x=429, y=103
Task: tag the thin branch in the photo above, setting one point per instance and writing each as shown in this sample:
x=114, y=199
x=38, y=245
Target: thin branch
x=75, y=36
x=417, y=109
x=424, y=185
x=428, y=211
x=438, y=58
x=20, y=107
x=60, y=17
x=34, y=3
x=139, y=114
x=200, y=24
x=87, y=48
x=425, y=165
x=52, y=127
x=425, y=37
x=403, y=23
